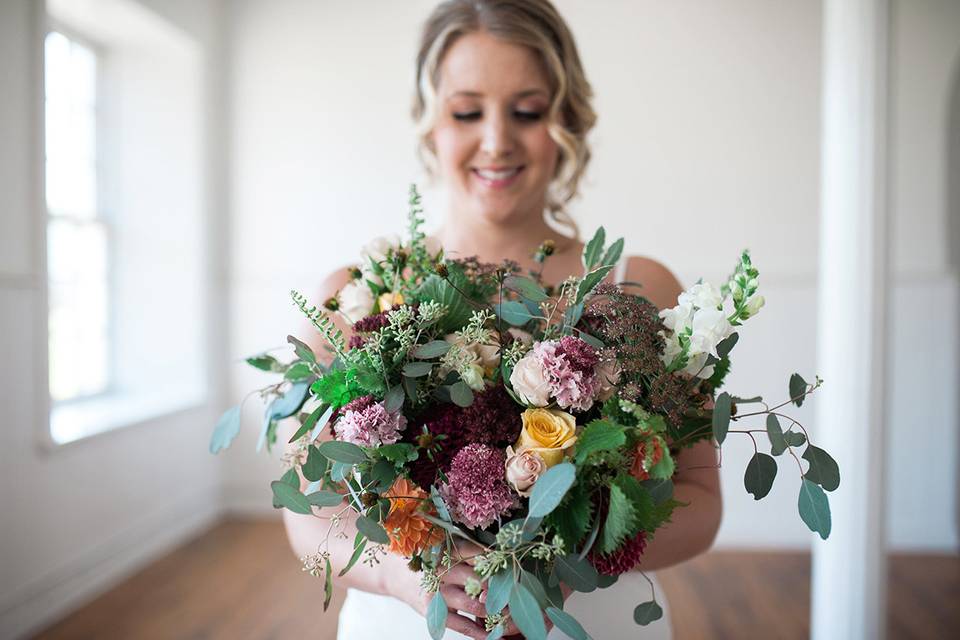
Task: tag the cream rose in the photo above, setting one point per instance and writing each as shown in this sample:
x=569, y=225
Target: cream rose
x=529, y=382
x=547, y=432
x=355, y=300
x=608, y=375
x=524, y=469
x=389, y=300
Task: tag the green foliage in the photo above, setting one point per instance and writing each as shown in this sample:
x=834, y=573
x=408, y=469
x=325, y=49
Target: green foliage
x=620, y=522
x=265, y=362
x=338, y=387
x=612, y=256
x=398, y=453
x=720, y=371
x=593, y=249
x=290, y=497
x=498, y=591
x=567, y=624
x=461, y=394
x=823, y=468
x=571, y=520
x=513, y=312
x=598, y=435
x=432, y=349
x=759, y=476
x=647, y=612
x=446, y=293
x=778, y=444
x=322, y=323
x=576, y=572
x=228, y=426
x=814, y=508
x=318, y=416
x=298, y=371
x=417, y=369
x=721, y=417
x=798, y=388
x=550, y=489
x=526, y=613
x=315, y=466
x=591, y=280
x=525, y=287
x=359, y=544
x=437, y=616
x=345, y=452
x=303, y=351
x=325, y=498
x=372, y=530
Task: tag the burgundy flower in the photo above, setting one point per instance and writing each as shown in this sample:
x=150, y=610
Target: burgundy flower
x=476, y=490
x=623, y=559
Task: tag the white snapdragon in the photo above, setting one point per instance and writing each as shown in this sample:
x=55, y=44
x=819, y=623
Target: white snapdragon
x=700, y=320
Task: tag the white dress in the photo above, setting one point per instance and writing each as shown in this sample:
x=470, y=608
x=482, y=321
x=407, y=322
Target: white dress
x=606, y=614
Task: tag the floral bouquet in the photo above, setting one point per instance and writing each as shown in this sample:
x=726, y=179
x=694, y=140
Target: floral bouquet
x=540, y=424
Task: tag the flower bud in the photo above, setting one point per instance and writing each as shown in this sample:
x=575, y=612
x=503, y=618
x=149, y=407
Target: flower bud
x=415, y=564
x=441, y=269
x=754, y=305
x=369, y=498
x=355, y=273
x=332, y=304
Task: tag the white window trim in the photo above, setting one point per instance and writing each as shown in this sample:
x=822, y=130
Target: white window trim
x=109, y=413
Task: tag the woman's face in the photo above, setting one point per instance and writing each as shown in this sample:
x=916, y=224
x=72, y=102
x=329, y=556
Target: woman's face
x=490, y=136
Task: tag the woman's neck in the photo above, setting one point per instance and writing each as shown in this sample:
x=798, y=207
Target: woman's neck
x=492, y=242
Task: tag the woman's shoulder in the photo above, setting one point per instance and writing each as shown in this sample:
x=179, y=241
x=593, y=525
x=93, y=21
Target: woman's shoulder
x=657, y=282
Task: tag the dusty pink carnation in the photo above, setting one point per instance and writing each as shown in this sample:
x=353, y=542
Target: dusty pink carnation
x=368, y=423
x=476, y=490
x=570, y=368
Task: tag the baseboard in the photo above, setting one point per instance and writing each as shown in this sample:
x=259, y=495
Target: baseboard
x=248, y=501
x=54, y=595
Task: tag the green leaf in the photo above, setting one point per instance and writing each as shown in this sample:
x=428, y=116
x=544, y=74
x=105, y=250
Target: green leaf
x=498, y=591
x=264, y=363
x=290, y=497
x=327, y=584
x=359, y=544
x=797, y=388
x=567, y=624
x=535, y=587
x=393, y=401
x=417, y=369
x=315, y=466
x=291, y=478
x=228, y=426
x=721, y=417
x=572, y=518
x=461, y=394
x=303, y=351
x=325, y=498
x=299, y=371
x=513, y=312
x=441, y=506
x=778, y=443
x=372, y=530
x=432, y=349
x=591, y=252
x=739, y=400
x=345, y=452
x=794, y=438
x=660, y=490
x=605, y=581
x=339, y=471
x=439, y=290
x=620, y=522
x=726, y=345
x=383, y=474
x=526, y=613
x=823, y=468
x=312, y=420
x=814, y=508
x=496, y=633
x=290, y=402
x=576, y=572
x=593, y=341
x=437, y=616
x=647, y=612
x=525, y=287
x=591, y=280
x=612, y=256
x=598, y=435
x=550, y=489
x=761, y=471
x=398, y=452
x=572, y=315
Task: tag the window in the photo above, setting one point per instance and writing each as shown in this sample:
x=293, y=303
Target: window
x=78, y=237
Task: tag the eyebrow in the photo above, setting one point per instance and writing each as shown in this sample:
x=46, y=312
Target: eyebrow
x=519, y=94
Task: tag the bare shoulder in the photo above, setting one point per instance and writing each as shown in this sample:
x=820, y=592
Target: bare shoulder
x=659, y=285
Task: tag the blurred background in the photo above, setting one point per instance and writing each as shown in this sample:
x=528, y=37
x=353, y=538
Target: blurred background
x=170, y=169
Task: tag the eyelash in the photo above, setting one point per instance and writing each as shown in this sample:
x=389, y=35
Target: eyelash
x=523, y=116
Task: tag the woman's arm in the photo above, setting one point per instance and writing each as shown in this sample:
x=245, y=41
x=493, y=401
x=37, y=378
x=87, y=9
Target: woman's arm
x=391, y=576
x=693, y=528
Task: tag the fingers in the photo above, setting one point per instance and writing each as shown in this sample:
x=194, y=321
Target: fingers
x=459, y=574
x=467, y=551
x=458, y=600
x=466, y=626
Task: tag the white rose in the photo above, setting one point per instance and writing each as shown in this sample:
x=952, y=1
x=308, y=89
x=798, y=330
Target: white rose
x=608, y=375
x=524, y=468
x=529, y=383
x=521, y=335
x=355, y=300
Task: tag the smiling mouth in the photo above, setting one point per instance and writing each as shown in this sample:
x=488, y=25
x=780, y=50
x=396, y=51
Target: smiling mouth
x=497, y=178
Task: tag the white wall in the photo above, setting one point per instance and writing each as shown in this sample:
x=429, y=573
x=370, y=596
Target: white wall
x=77, y=518
x=708, y=141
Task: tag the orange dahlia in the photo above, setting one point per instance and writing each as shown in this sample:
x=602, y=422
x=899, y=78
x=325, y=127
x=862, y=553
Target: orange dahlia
x=641, y=466
x=409, y=533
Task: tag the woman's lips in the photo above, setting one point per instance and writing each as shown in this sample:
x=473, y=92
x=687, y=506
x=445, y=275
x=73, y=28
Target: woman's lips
x=497, y=179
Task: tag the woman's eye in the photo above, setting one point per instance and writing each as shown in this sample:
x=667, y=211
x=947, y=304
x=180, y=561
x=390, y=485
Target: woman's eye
x=528, y=116
x=467, y=117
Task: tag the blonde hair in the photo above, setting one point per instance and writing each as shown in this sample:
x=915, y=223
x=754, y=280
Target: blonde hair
x=535, y=24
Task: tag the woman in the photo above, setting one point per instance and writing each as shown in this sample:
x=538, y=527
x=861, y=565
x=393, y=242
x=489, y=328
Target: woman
x=503, y=107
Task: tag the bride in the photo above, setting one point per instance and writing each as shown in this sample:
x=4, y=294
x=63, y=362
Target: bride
x=503, y=108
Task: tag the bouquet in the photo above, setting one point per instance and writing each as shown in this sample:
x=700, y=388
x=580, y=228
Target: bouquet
x=473, y=402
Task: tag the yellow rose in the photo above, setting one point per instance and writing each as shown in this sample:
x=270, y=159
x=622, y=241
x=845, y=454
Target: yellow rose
x=390, y=300
x=548, y=432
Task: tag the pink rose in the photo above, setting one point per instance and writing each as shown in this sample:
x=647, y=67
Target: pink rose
x=523, y=470
x=529, y=381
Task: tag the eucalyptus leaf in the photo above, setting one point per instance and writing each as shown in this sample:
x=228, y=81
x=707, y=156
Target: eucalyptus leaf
x=727, y=344
x=359, y=544
x=604, y=581
x=228, y=426
x=550, y=489
x=417, y=369
x=525, y=287
x=315, y=466
x=345, y=452
x=739, y=400
x=312, y=420
x=513, y=312
x=647, y=612
x=437, y=616
x=778, y=444
x=577, y=573
x=393, y=401
x=325, y=498
x=439, y=504
x=526, y=613
x=572, y=315
x=567, y=624
x=299, y=371
x=290, y=497
x=498, y=591
x=291, y=478
x=339, y=471
x=433, y=349
x=290, y=402
x=372, y=530
x=794, y=438
x=823, y=468
x=535, y=587
x=327, y=583
x=496, y=633
x=761, y=471
x=797, y=388
x=814, y=508
x=461, y=394
x=593, y=341
x=264, y=362
x=721, y=417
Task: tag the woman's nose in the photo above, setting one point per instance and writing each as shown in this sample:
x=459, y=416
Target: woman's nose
x=497, y=137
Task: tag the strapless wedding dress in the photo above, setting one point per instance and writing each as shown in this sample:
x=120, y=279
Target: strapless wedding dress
x=606, y=614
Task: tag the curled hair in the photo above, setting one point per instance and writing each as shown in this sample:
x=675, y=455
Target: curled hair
x=537, y=25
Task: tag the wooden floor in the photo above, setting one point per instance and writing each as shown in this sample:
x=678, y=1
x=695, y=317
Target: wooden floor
x=239, y=580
